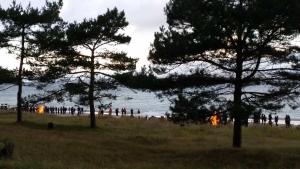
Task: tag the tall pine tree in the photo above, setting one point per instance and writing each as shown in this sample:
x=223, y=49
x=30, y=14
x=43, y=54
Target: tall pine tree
x=88, y=53
x=21, y=28
x=243, y=42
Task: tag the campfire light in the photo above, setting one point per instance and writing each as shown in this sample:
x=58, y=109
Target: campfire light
x=40, y=109
x=214, y=120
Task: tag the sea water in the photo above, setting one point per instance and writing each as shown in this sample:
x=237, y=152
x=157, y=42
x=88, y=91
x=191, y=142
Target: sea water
x=147, y=102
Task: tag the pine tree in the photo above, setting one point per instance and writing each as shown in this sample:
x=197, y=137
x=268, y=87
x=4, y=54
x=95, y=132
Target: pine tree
x=21, y=28
x=89, y=52
x=243, y=42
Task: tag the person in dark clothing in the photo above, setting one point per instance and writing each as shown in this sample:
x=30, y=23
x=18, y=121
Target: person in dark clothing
x=276, y=120
x=78, y=111
x=117, y=112
x=287, y=121
x=131, y=112
x=270, y=119
x=256, y=117
x=263, y=118
x=224, y=118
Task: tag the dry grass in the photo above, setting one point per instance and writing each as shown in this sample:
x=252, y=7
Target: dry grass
x=138, y=144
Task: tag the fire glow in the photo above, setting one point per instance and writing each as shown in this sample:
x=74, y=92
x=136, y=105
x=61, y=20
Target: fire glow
x=214, y=120
x=40, y=109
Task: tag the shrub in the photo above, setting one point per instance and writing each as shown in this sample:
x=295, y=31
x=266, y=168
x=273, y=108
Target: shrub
x=50, y=125
x=6, y=149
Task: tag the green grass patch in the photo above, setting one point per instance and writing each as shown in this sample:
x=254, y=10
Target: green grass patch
x=128, y=143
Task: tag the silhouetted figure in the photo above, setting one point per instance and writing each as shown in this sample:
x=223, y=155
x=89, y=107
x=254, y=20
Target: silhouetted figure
x=168, y=116
x=263, y=118
x=224, y=118
x=287, y=121
x=117, y=112
x=72, y=110
x=122, y=111
x=100, y=111
x=256, y=118
x=110, y=111
x=270, y=119
x=131, y=112
x=125, y=111
x=78, y=111
x=276, y=120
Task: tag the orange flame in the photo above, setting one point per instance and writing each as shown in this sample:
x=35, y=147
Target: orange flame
x=40, y=109
x=214, y=120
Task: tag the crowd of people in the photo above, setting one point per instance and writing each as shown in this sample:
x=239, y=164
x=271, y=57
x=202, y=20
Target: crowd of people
x=4, y=107
x=262, y=118
x=52, y=110
x=258, y=118
x=117, y=111
x=215, y=118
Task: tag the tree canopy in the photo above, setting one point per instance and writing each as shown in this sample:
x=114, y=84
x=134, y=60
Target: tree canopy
x=7, y=76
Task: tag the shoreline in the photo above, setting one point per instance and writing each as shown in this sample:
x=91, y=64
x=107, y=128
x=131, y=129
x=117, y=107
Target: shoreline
x=281, y=121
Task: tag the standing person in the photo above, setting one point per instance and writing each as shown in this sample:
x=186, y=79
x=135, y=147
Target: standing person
x=256, y=118
x=270, y=119
x=276, y=120
x=131, y=112
x=139, y=113
x=287, y=121
x=264, y=119
x=117, y=112
x=81, y=110
x=110, y=111
x=100, y=110
x=78, y=111
x=124, y=111
x=72, y=110
x=224, y=117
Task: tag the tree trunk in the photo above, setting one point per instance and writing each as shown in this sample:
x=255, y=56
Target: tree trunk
x=20, y=78
x=237, y=128
x=237, y=102
x=91, y=92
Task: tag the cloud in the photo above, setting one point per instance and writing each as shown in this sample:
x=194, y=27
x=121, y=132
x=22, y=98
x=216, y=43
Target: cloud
x=143, y=14
x=144, y=17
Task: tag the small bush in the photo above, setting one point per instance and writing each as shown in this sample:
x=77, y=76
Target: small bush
x=6, y=149
x=50, y=125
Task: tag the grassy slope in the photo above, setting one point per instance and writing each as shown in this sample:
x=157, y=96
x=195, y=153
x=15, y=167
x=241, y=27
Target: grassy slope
x=140, y=144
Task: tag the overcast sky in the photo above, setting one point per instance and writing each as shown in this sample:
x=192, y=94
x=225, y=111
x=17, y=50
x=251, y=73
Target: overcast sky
x=144, y=17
